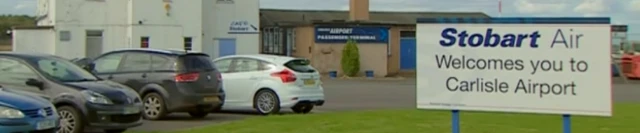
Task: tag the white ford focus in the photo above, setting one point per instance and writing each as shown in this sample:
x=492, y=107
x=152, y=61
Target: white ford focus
x=268, y=83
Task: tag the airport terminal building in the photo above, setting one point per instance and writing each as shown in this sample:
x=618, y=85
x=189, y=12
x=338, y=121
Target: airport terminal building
x=86, y=28
x=81, y=28
x=386, y=40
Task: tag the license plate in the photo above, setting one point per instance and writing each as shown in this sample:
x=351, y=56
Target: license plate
x=46, y=124
x=131, y=110
x=309, y=82
x=210, y=99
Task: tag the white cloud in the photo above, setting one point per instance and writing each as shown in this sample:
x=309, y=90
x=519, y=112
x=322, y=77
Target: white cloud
x=396, y=5
x=20, y=6
x=24, y=5
x=591, y=7
x=634, y=5
x=528, y=6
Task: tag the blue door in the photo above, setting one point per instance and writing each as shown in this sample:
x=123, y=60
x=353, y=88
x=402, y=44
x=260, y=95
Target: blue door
x=226, y=47
x=408, y=54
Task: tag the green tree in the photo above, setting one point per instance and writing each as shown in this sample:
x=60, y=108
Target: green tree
x=350, y=59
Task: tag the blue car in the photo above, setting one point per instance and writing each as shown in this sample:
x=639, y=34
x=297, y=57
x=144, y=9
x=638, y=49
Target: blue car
x=21, y=113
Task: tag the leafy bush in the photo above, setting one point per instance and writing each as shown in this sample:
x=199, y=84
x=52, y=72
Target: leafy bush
x=350, y=59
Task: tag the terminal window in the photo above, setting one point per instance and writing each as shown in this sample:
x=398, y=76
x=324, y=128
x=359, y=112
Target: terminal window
x=187, y=43
x=277, y=40
x=407, y=34
x=144, y=42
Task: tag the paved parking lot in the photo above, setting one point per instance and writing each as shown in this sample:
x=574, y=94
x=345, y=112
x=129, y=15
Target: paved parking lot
x=347, y=95
x=341, y=95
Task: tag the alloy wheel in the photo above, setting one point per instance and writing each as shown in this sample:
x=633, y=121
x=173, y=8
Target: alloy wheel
x=67, y=122
x=266, y=102
x=152, y=106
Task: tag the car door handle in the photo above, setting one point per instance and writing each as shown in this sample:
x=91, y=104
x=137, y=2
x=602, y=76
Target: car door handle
x=110, y=77
x=144, y=75
x=253, y=78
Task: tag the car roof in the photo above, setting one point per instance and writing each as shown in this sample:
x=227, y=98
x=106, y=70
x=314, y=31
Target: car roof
x=28, y=55
x=272, y=58
x=158, y=51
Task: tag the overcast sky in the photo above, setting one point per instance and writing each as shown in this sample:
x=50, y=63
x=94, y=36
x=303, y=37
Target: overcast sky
x=621, y=11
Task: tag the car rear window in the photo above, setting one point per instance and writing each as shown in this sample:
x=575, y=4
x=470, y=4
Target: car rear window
x=300, y=65
x=196, y=62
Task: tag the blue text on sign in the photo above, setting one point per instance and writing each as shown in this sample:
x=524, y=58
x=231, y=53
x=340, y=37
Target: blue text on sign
x=451, y=37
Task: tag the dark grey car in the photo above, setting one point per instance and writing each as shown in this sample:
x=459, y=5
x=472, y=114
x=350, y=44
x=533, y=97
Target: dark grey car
x=82, y=99
x=167, y=80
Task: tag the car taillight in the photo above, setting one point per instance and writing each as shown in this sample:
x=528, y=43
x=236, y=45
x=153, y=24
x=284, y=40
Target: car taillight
x=219, y=77
x=187, y=77
x=285, y=75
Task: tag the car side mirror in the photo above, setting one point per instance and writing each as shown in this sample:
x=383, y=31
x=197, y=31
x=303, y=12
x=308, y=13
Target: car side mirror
x=34, y=83
x=90, y=67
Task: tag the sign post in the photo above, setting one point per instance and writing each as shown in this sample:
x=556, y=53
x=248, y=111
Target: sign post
x=455, y=121
x=519, y=65
x=566, y=123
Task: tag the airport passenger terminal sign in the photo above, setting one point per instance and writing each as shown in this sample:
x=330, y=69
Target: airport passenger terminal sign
x=529, y=65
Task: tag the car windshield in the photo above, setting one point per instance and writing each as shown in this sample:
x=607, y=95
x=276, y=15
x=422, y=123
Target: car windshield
x=300, y=65
x=197, y=62
x=63, y=70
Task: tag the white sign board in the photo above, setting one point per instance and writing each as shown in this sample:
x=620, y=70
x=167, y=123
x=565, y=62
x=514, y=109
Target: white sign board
x=529, y=65
x=243, y=27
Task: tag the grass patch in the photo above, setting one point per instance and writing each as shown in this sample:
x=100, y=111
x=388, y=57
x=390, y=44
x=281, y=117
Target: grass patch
x=420, y=121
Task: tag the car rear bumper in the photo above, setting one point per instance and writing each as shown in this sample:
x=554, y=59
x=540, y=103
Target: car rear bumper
x=307, y=102
x=114, y=116
x=27, y=125
x=295, y=96
x=190, y=102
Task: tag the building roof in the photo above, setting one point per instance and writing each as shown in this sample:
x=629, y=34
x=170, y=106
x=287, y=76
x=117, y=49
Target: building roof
x=28, y=55
x=269, y=17
x=31, y=27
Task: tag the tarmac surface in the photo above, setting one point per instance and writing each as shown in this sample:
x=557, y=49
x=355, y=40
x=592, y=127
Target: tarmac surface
x=353, y=95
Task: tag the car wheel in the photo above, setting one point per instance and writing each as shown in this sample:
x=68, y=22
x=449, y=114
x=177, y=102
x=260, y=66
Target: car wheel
x=115, y=131
x=154, y=107
x=303, y=109
x=199, y=114
x=71, y=121
x=266, y=102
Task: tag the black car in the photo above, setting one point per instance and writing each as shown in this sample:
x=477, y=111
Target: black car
x=167, y=80
x=82, y=99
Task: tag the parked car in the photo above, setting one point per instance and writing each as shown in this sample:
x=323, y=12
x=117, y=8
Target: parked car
x=82, y=99
x=268, y=83
x=168, y=80
x=26, y=113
